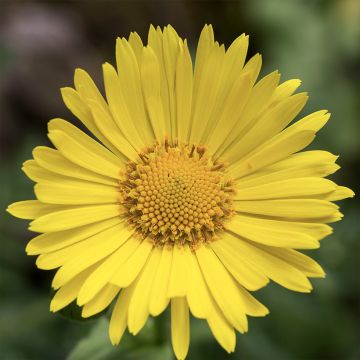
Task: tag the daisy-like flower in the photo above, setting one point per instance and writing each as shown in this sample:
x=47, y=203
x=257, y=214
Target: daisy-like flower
x=192, y=193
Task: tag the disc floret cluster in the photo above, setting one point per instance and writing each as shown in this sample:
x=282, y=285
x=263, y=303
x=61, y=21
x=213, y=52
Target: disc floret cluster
x=176, y=195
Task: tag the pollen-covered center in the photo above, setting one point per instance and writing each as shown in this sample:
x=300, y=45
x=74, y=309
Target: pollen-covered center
x=176, y=195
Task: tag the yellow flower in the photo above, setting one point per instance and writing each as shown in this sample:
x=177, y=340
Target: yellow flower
x=193, y=193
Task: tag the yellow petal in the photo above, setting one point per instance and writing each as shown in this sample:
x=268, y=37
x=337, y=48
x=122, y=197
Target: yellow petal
x=53, y=241
x=302, y=262
x=340, y=193
x=67, y=293
x=243, y=271
x=258, y=101
x=77, y=105
x=106, y=243
x=32, y=209
x=306, y=187
x=222, y=287
x=289, y=141
x=101, y=301
x=170, y=53
x=231, y=111
x=284, y=90
x=159, y=299
x=312, y=229
x=221, y=329
x=74, y=217
x=268, y=125
x=252, y=306
x=118, y=318
x=288, y=208
x=183, y=89
x=38, y=174
x=108, y=126
x=180, y=327
x=151, y=85
x=54, y=161
x=137, y=45
x=178, y=275
x=198, y=295
x=118, y=107
x=99, y=278
x=207, y=91
x=314, y=163
x=128, y=272
x=138, y=307
x=130, y=84
x=84, y=156
x=273, y=267
x=155, y=41
x=76, y=193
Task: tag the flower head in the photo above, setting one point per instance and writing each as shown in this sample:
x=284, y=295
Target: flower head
x=193, y=191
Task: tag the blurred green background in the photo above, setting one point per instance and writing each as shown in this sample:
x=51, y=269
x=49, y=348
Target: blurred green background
x=41, y=43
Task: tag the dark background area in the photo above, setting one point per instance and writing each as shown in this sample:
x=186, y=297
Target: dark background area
x=41, y=43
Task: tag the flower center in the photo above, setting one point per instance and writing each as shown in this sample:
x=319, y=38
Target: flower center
x=176, y=195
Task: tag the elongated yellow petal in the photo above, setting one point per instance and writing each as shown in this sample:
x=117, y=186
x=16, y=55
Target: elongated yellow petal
x=53, y=241
x=284, y=90
x=258, y=101
x=314, y=230
x=67, y=293
x=38, y=174
x=221, y=329
x=137, y=45
x=170, y=54
x=130, y=84
x=252, y=306
x=155, y=41
x=183, y=89
x=293, y=188
x=74, y=217
x=178, y=275
x=292, y=208
x=275, y=268
x=302, y=262
x=313, y=163
x=118, y=107
x=231, y=111
x=138, y=307
x=32, y=209
x=159, y=299
x=269, y=124
x=78, y=106
x=198, y=295
x=107, y=242
x=277, y=149
x=180, y=327
x=101, y=301
x=76, y=193
x=207, y=91
x=243, y=271
x=99, y=278
x=128, y=272
x=151, y=85
x=83, y=156
x=54, y=161
x=87, y=89
x=222, y=287
x=340, y=193
x=118, y=320
x=108, y=126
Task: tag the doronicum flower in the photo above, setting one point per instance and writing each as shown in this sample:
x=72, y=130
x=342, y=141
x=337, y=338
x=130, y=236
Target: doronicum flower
x=193, y=191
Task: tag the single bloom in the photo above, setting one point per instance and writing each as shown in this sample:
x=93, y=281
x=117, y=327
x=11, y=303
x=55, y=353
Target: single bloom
x=192, y=192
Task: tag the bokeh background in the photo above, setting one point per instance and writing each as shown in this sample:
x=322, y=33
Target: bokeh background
x=41, y=43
